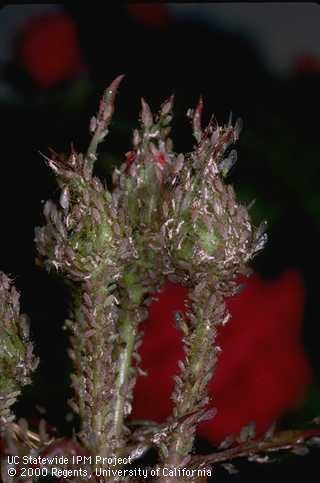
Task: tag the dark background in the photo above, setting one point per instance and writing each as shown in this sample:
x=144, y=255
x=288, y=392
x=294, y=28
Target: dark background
x=190, y=54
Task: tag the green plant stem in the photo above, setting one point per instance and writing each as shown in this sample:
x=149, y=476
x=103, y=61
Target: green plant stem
x=191, y=390
x=128, y=337
x=194, y=390
x=103, y=119
x=92, y=342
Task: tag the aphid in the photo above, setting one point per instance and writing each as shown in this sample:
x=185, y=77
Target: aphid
x=247, y=432
x=226, y=319
x=47, y=208
x=141, y=372
x=136, y=138
x=167, y=106
x=230, y=468
x=270, y=432
x=227, y=442
x=315, y=440
x=196, y=121
x=259, y=459
x=64, y=198
x=215, y=136
x=146, y=115
x=227, y=163
x=93, y=124
x=300, y=450
x=261, y=229
x=178, y=318
x=24, y=327
x=250, y=205
x=237, y=128
x=178, y=164
x=180, y=322
x=208, y=415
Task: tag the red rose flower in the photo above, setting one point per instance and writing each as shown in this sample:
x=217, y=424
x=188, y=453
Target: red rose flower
x=48, y=48
x=262, y=371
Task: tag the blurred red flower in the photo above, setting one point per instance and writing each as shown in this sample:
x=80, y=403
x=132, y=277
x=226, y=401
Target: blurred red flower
x=262, y=372
x=154, y=16
x=48, y=48
x=307, y=64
